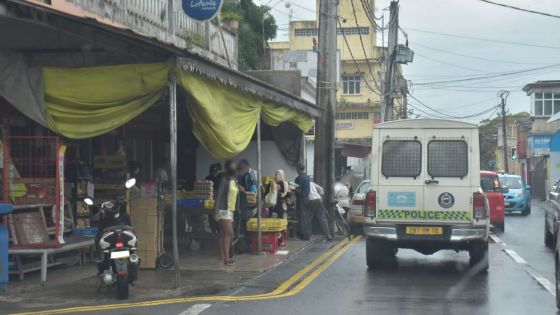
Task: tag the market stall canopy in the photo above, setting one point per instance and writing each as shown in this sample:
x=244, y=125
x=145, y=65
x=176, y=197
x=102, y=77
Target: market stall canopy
x=86, y=102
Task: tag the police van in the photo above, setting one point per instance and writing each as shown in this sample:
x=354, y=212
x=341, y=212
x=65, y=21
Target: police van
x=425, y=191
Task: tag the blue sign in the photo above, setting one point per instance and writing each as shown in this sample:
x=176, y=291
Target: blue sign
x=539, y=141
x=202, y=10
x=401, y=199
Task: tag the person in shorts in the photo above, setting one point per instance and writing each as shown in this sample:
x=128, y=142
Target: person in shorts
x=227, y=201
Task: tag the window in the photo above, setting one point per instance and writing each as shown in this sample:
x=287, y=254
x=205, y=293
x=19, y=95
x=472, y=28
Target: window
x=352, y=31
x=307, y=32
x=352, y=115
x=547, y=104
x=448, y=158
x=351, y=83
x=490, y=183
x=512, y=182
x=401, y=158
x=363, y=188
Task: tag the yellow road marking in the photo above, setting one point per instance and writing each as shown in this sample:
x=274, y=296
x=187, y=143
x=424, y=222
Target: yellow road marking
x=279, y=292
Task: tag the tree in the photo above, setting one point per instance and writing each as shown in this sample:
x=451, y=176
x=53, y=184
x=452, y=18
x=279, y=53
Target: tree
x=257, y=27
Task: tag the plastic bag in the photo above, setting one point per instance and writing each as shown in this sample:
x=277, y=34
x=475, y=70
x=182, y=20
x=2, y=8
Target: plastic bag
x=272, y=196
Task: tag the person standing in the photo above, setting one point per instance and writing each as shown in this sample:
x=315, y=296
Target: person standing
x=282, y=187
x=227, y=201
x=316, y=209
x=302, y=195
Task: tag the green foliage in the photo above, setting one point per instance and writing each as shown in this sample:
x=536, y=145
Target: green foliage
x=257, y=26
x=488, y=141
x=231, y=16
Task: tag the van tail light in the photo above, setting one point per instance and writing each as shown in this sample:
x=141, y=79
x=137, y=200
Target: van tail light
x=119, y=242
x=370, y=204
x=479, y=206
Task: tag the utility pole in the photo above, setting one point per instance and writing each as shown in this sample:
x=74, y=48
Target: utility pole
x=503, y=95
x=326, y=98
x=390, y=61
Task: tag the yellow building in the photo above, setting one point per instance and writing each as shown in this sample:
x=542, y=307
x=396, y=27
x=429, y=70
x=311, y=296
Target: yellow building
x=359, y=68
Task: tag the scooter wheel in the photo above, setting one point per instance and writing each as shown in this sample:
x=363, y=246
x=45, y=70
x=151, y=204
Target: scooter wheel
x=165, y=261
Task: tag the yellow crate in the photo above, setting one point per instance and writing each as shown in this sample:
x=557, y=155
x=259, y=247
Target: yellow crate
x=268, y=225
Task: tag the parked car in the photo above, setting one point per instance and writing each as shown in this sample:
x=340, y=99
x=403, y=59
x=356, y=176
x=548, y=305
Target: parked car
x=557, y=272
x=551, y=217
x=490, y=184
x=518, y=198
x=355, y=216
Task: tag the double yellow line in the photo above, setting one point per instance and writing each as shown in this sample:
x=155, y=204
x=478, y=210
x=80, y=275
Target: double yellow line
x=297, y=283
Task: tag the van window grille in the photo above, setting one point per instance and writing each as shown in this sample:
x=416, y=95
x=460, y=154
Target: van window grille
x=401, y=158
x=448, y=158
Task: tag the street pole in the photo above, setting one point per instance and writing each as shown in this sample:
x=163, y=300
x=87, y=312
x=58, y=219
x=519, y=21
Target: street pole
x=390, y=60
x=259, y=190
x=503, y=95
x=326, y=98
x=173, y=148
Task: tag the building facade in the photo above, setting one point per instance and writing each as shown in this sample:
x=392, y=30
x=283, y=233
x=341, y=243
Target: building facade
x=359, y=73
x=544, y=103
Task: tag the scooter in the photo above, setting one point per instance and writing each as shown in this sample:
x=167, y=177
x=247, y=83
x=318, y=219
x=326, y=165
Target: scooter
x=118, y=264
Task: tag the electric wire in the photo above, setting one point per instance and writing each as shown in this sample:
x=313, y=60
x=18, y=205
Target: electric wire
x=474, y=57
x=354, y=60
x=495, y=75
x=452, y=116
x=372, y=73
x=481, y=39
x=520, y=9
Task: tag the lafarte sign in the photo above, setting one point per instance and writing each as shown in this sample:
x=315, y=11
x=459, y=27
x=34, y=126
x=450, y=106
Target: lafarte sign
x=202, y=10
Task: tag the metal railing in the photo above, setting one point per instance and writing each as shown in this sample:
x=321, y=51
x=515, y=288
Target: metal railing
x=150, y=18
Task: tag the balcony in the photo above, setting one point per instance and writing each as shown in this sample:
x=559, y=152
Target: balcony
x=149, y=18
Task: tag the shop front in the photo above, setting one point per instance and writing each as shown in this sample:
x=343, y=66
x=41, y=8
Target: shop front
x=160, y=120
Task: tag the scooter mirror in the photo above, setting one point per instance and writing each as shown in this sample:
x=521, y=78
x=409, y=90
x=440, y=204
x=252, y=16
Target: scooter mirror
x=130, y=183
x=88, y=201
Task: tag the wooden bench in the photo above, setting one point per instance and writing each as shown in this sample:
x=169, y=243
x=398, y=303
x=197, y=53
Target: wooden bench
x=74, y=243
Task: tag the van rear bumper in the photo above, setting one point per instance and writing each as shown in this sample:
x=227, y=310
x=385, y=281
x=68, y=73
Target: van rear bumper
x=454, y=234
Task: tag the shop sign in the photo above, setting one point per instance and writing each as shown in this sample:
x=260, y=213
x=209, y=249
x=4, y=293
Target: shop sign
x=344, y=125
x=538, y=145
x=202, y=10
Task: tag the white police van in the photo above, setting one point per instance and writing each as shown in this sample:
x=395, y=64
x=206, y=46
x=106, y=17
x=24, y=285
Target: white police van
x=425, y=191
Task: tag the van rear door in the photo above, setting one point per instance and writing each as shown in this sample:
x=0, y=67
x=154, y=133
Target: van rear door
x=447, y=179
x=400, y=186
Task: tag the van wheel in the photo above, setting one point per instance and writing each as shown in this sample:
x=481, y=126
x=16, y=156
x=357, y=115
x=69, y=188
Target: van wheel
x=479, y=256
x=378, y=253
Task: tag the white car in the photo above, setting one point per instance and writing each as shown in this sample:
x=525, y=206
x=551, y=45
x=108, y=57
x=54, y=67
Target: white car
x=355, y=216
x=425, y=191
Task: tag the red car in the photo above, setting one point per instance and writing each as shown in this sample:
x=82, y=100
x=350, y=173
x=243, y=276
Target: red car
x=493, y=190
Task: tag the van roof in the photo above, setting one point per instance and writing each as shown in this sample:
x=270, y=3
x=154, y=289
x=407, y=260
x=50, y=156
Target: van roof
x=425, y=123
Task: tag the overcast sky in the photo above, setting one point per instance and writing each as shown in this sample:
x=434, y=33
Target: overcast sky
x=471, y=18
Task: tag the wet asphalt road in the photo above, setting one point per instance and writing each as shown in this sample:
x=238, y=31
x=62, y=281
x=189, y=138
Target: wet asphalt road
x=436, y=284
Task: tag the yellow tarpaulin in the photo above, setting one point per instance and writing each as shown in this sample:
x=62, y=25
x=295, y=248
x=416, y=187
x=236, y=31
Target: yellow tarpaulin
x=86, y=102
x=225, y=118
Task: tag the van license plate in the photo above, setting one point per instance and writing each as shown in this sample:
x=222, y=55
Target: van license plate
x=424, y=230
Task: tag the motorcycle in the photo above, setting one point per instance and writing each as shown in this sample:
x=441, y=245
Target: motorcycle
x=118, y=263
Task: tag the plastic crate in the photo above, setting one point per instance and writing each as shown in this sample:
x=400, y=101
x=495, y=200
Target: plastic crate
x=268, y=225
x=190, y=203
x=269, y=242
x=86, y=231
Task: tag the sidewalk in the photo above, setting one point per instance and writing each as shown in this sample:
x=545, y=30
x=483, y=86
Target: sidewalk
x=201, y=274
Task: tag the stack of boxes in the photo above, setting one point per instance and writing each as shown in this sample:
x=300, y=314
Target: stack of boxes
x=204, y=189
x=145, y=222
